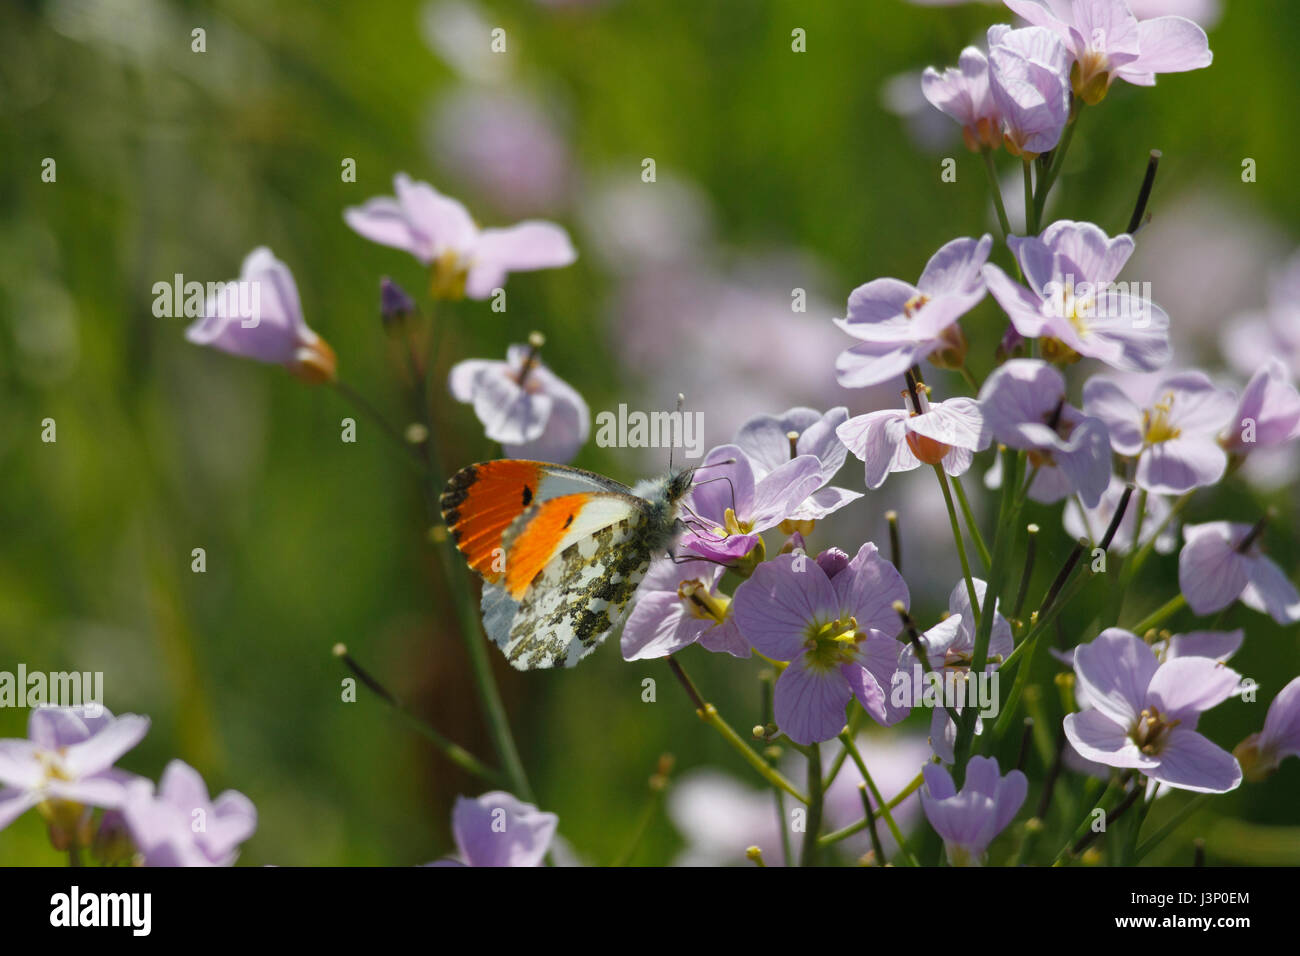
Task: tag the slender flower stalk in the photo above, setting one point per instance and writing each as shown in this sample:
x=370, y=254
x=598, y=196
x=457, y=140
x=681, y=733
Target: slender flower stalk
x=957, y=538
x=454, y=752
x=709, y=714
x=971, y=526
x=885, y=809
x=816, y=806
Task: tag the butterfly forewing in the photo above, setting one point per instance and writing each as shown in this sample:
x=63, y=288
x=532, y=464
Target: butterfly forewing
x=577, y=597
x=482, y=501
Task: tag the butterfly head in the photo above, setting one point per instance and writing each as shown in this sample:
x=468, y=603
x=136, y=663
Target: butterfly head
x=679, y=484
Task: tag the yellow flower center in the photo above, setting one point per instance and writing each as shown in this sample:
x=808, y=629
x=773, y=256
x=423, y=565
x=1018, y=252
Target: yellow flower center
x=733, y=525
x=1152, y=731
x=702, y=604
x=833, y=644
x=914, y=304
x=447, y=277
x=1156, y=426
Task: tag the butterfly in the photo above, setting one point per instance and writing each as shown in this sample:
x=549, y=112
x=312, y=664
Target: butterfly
x=561, y=550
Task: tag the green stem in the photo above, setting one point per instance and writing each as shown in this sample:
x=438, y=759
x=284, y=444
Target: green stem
x=1146, y=846
x=1160, y=614
x=998, y=205
x=456, y=578
x=859, y=826
x=454, y=751
x=880, y=801
x=1058, y=160
x=367, y=408
x=1011, y=464
x=971, y=526
x=808, y=857
x=961, y=546
x=709, y=714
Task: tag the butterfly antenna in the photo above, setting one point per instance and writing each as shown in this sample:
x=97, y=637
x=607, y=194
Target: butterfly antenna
x=678, y=559
x=721, y=478
x=681, y=398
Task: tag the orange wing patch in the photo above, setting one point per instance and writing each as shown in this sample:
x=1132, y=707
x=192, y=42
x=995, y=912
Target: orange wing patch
x=536, y=544
x=481, y=502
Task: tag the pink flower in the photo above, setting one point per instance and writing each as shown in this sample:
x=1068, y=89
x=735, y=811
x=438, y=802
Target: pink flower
x=1268, y=413
x=523, y=404
x=1074, y=303
x=963, y=93
x=836, y=632
x=1143, y=714
x=1030, y=85
x=498, y=829
x=900, y=324
x=275, y=332
x=67, y=763
x=182, y=825
x=1106, y=41
x=947, y=433
x=1024, y=406
x=1221, y=562
x=970, y=820
x=1261, y=753
x=678, y=604
x=439, y=232
x=1173, y=432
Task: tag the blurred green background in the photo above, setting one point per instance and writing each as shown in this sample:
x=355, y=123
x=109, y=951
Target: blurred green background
x=174, y=161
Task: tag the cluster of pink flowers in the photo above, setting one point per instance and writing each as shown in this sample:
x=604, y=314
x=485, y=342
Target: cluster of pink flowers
x=1121, y=452
x=66, y=768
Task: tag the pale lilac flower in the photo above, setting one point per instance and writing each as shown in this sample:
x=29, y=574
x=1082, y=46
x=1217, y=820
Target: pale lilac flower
x=498, y=829
x=274, y=331
x=1216, y=645
x=1143, y=713
x=719, y=817
x=1261, y=753
x=734, y=506
x=963, y=93
x=523, y=404
x=1024, y=406
x=947, y=433
x=1091, y=523
x=439, y=232
x=970, y=820
x=1029, y=80
x=899, y=324
x=66, y=763
x=1221, y=563
x=950, y=649
x=1074, y=303
x=678, y=604
x=181, y=825
x=1251, y=339
x=1106, y=41
x=1268, y=413
x=836, y=632
x=505, y=146
x=1173, y=432
x=770, y=441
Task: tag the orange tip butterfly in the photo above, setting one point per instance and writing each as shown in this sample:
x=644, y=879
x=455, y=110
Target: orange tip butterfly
x=561, y=551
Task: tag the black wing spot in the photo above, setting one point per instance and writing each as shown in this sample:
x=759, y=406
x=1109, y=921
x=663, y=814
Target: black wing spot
x=528, y=496
x=568, y=521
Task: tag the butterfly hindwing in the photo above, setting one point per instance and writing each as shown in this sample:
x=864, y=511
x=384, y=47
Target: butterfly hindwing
x=573, y=564
x=482, y=501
